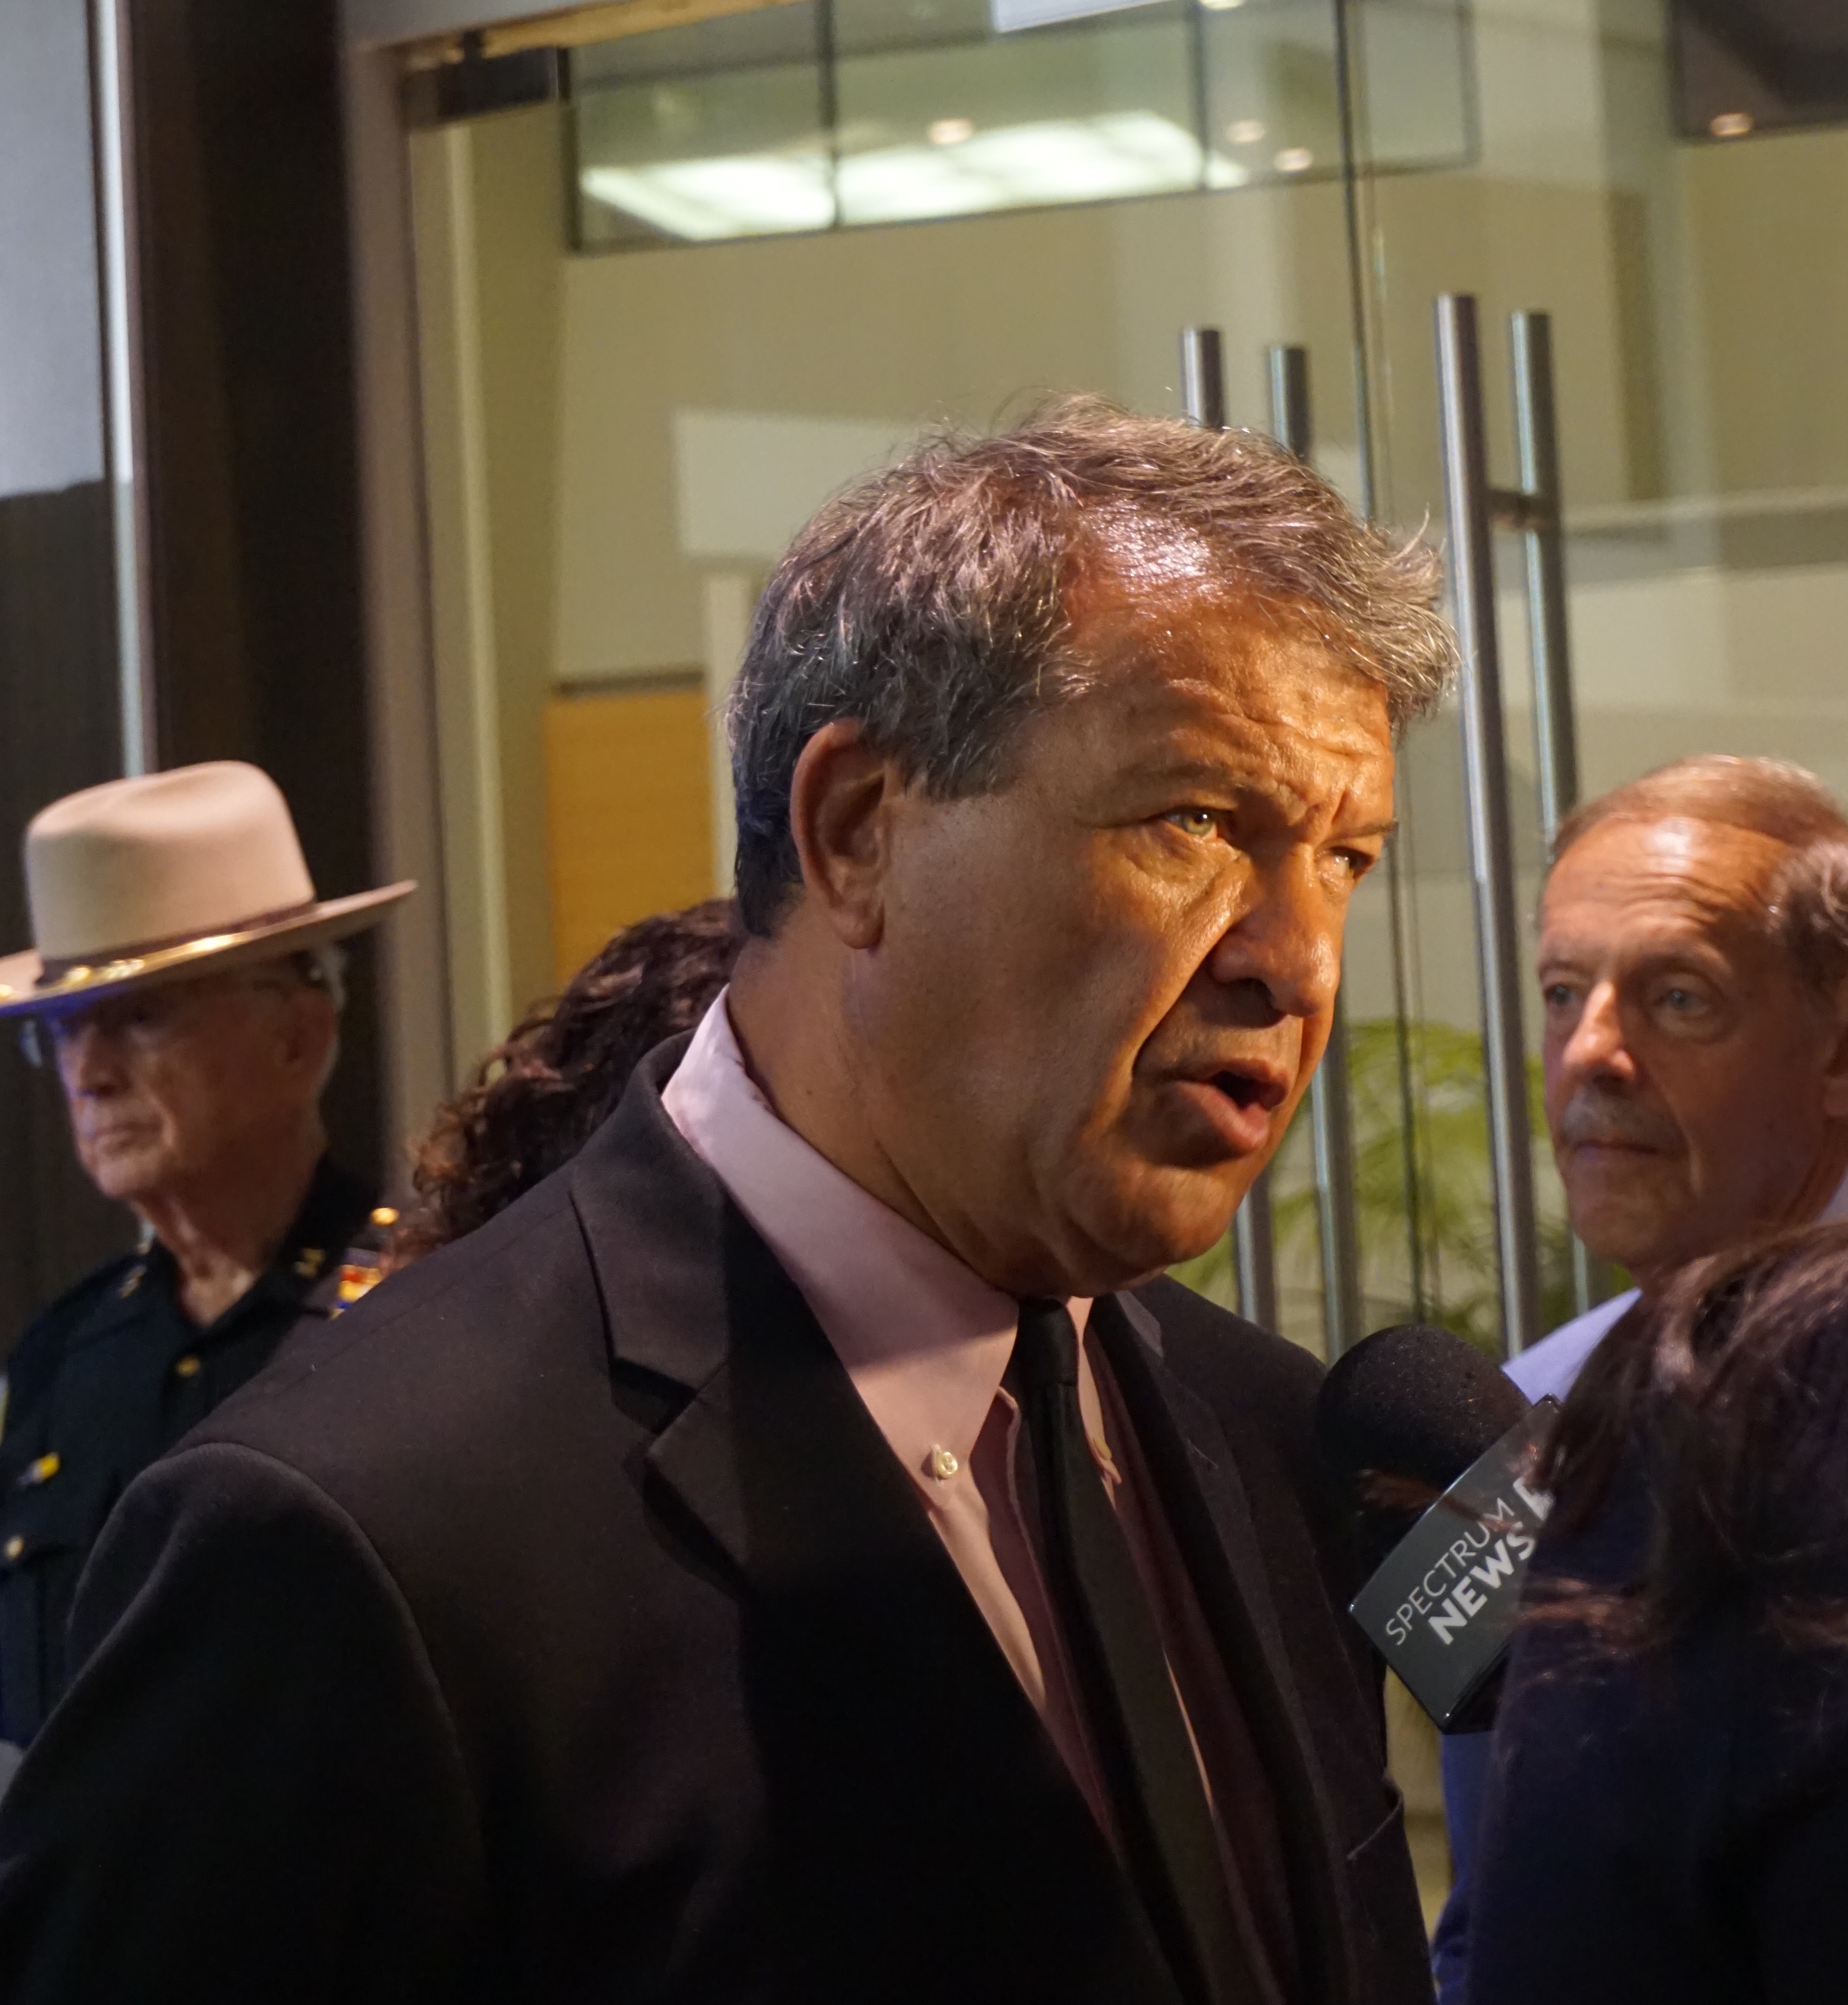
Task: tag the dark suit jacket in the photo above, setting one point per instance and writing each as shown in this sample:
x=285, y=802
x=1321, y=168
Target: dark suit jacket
x=559, y=1627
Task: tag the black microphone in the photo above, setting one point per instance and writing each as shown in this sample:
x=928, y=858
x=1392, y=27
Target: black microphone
x=1437, y=1450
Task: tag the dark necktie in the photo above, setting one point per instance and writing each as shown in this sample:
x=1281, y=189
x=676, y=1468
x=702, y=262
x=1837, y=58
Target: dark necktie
x=1164, y=1824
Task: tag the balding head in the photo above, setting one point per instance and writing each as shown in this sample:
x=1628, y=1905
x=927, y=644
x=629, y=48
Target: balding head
x=1693, y=952
x=1767, y=797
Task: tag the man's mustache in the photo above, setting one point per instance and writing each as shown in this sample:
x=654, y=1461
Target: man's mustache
x=1598, y=1118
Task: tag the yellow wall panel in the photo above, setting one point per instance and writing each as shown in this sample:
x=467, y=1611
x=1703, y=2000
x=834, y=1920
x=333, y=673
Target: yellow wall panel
x=629, y=820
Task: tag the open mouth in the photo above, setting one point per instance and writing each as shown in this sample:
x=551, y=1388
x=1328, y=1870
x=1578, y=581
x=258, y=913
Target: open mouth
x=1250, y=1090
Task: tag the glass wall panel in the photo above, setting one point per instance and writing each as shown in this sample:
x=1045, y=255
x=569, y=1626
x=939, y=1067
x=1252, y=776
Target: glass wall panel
x=695, y=133
x=855, y=112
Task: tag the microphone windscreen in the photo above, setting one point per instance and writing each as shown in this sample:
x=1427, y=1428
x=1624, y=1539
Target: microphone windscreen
x=1414, y=1404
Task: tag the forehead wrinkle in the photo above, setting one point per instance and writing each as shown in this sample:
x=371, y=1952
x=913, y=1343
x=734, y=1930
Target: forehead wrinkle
x=1679, y=862
x=1664, y=909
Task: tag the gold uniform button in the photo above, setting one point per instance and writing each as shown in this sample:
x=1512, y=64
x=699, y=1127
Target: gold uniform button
x=311, y=1262
x=15, y=1545
x=385, y=1214
x=43, y=1470
x=188, y=1367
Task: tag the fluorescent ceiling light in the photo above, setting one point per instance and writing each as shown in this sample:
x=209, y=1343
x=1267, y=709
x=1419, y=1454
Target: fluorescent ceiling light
x=1011, y=166
x=745, y=194
x=1117, y=154
x=1008, y=15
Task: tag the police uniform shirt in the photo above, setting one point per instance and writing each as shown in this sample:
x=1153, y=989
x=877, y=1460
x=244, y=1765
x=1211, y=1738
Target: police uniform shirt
x=108, y=1379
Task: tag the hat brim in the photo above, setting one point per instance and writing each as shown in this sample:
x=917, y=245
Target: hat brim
x=25, y=992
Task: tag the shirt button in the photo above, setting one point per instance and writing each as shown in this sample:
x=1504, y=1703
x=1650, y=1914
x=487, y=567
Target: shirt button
x=942, y=1464
x=186, y=1367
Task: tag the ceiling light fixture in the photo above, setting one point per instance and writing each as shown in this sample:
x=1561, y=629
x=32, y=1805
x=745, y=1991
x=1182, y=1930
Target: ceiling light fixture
x=1731, y=124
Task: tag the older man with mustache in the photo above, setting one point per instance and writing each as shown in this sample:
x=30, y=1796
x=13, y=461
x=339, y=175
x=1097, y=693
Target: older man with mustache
x=1696, y=1059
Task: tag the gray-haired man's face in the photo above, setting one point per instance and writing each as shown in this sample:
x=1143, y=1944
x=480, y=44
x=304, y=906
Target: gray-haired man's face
x=1694, y=1088
x=1101, y=991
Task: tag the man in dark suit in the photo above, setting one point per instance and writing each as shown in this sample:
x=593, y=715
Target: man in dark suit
x=796, y=1553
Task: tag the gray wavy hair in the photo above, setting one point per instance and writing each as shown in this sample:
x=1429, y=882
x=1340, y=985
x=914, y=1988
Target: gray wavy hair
x=928, y=603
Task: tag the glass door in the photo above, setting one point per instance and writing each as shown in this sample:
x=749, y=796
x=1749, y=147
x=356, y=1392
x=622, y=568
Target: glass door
x=1629, y=184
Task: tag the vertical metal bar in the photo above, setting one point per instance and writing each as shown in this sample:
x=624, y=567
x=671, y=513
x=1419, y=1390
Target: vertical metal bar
x=1254, y=1243
x=1331, y=1117
x=1555, y=731
x=1290, y=420
x=1203, y=390
x=115, y=210
x=1531, y=340
x=1331, y=1125
x=1468, y=504
x=1203, y=377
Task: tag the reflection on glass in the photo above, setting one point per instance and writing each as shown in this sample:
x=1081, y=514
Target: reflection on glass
x=697, y=134
x=853, y=112
x=1086, y=114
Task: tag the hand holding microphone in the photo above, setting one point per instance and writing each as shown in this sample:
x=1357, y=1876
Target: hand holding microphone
x=1437, y=1449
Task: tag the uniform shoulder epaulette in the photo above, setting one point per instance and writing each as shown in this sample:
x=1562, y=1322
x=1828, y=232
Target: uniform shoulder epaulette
x=361, y=1267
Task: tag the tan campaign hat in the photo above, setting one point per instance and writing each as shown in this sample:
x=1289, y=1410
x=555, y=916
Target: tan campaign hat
x=165, y=876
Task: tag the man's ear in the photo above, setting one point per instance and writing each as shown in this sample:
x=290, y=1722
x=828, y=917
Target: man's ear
x=311, y=1031
x=840, y=801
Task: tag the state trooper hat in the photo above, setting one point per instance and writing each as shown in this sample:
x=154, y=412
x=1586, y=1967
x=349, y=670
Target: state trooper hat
x=166, y=875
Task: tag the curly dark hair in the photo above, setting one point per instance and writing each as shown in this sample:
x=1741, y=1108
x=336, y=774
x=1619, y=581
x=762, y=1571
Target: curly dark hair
x=536, y=1100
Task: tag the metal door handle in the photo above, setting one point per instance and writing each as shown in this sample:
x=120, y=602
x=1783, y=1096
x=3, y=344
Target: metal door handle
x=1203, y=390
x=1203, y=379
x=1330, y=1116
x=1542, y=524
x=1472, y=505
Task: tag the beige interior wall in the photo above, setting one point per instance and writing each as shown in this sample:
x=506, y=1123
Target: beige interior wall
x=1768, y=226
x=898, y=329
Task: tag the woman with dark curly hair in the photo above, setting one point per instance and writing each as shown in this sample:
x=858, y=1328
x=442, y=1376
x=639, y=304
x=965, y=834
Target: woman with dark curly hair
x=1668, y=1807
x=536, y=1100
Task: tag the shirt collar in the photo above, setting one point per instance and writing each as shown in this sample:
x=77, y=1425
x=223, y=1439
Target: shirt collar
x=924, y=1338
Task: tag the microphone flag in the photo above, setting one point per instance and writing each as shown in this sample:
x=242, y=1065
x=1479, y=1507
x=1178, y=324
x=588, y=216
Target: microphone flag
x=1443, y=1605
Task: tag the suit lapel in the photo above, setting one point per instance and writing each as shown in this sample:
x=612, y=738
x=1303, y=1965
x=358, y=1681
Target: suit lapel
x=1205, y=1505
x=886, y=1712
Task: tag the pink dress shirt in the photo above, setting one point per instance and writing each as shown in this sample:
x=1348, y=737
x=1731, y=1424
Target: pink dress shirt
x=926, y=1341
